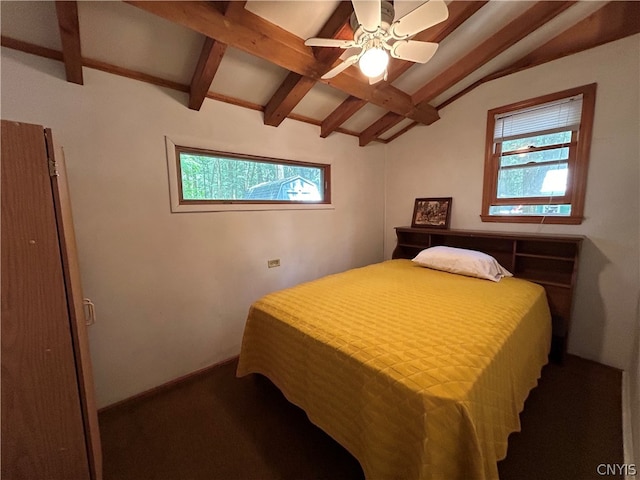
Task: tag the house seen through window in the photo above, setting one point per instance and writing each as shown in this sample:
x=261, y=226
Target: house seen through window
x=537, y=158
x=219, y=177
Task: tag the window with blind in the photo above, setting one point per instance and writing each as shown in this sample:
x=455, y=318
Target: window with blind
x=536, y=158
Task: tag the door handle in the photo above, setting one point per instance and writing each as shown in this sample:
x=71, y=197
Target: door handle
x=90, y=310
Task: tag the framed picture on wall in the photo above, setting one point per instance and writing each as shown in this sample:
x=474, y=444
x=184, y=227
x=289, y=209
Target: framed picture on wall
x=432, y=212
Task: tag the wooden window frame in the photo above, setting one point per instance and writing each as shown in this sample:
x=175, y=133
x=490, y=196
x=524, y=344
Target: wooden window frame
x=325, y=168
x=578, y=163
x=174, y=147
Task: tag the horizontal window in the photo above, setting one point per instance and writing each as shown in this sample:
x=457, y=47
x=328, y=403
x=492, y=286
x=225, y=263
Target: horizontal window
x=210, y=180
x=208, y=176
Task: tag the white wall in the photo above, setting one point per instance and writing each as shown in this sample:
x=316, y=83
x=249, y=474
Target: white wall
x=447, y=159
x=172, y=290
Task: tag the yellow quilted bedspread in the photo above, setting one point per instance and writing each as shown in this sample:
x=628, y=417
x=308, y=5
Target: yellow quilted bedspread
x=420, y=374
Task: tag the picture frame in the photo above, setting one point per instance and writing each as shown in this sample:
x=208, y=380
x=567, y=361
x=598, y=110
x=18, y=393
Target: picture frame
x=432, y=213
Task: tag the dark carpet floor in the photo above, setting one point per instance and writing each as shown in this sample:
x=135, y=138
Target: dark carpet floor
x=216, y=426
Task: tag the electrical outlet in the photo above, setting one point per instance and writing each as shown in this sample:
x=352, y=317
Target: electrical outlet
x=273, y=263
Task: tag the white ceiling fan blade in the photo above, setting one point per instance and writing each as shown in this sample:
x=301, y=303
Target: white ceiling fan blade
x=403, y=7
x=349, y=52
x=329, y=42
x=343, y=66
x=414, y=51
x=423, y=17
x=368, y=13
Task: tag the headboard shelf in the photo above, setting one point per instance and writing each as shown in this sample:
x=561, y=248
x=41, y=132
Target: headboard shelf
x=538, y=255
x=549, y=260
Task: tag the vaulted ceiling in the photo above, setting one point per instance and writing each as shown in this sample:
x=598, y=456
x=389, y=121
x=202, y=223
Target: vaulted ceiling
x=252, y=53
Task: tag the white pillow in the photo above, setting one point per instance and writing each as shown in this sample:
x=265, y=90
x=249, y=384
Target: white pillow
x=463, y=262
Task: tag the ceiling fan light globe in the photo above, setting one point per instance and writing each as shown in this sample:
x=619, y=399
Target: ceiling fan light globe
x=374, y=62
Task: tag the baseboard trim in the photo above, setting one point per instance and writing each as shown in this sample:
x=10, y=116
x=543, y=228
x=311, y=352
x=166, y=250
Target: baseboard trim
x=165, y=386
x=627, y=433
x=595, y=362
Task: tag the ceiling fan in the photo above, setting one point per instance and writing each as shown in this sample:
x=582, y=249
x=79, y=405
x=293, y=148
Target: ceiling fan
x=377, y=32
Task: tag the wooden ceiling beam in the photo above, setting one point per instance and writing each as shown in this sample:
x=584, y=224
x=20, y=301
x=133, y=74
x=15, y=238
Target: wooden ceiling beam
x=349, y=107
x=30, y=48
x=337, y=26
x=210, y=58
x=234, y=8
x=290, y=92
x=45, y=52
x=614, y=21
x=208, y=63
x=459, y=12
x=295, y=86
x=516, y=30
x=265, y=40
x=67, y=13
x=376, y=129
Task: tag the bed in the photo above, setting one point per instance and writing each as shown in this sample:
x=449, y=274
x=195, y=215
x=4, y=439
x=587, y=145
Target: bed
x=419, y=373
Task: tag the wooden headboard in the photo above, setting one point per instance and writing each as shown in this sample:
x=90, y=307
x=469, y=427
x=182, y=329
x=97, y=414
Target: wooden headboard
x=549, y=260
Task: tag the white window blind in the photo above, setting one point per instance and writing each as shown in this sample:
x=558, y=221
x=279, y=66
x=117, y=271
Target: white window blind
x=557, y=116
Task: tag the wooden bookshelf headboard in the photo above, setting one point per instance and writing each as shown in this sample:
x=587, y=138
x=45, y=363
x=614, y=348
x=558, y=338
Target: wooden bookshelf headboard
x=549, y=260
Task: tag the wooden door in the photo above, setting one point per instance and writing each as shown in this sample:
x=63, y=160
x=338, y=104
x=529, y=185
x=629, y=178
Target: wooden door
x=71, y=269
x=42, y=425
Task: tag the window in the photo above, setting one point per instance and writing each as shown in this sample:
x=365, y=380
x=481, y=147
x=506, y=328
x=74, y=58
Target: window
x=219, y=179
x=536, y=158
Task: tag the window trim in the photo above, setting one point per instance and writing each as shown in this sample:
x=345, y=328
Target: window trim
x=180, y=205
x=578, y=162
